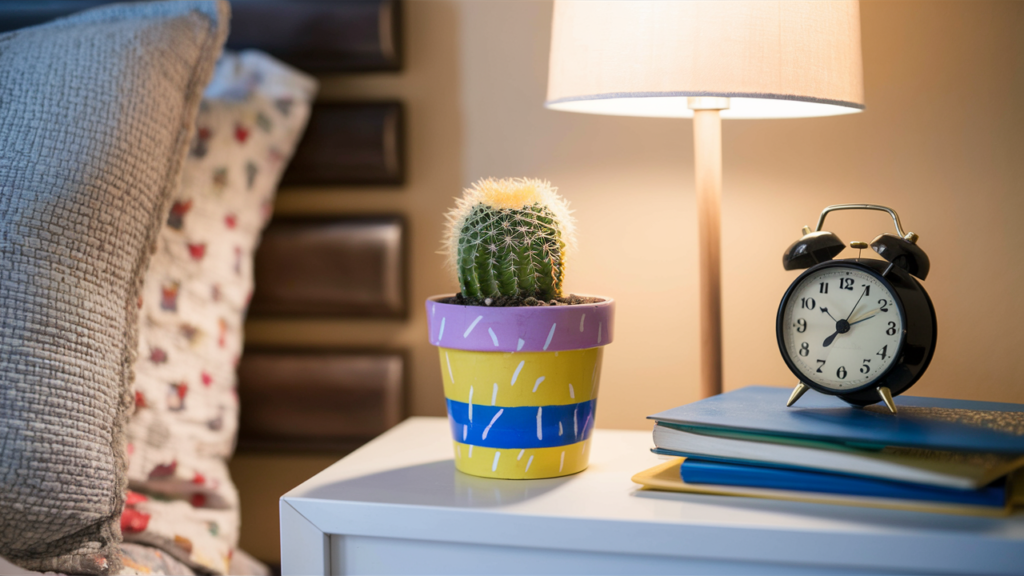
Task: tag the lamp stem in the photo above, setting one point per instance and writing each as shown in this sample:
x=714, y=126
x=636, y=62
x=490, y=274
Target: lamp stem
x=707, y=146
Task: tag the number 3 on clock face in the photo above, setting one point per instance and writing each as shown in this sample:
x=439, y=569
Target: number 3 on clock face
x=842, y=328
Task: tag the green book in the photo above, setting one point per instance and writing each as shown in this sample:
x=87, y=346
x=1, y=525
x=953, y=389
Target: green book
x=951, y=469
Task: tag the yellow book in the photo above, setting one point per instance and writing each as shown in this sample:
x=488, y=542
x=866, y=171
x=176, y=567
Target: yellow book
x=666, y=477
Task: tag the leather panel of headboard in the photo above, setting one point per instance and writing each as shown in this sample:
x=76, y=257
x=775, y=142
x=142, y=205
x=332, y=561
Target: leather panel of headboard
x=315, y=36
x=350, y=143
x=318, y=400
x=331, y=267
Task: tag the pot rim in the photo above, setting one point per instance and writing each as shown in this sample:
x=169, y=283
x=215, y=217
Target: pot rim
x=605, y=300
x=520, y=328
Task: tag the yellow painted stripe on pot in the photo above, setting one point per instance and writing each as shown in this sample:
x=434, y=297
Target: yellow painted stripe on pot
x=522, y=464
x=521, y=378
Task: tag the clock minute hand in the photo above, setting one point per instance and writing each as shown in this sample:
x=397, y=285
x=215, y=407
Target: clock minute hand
x=854, y=309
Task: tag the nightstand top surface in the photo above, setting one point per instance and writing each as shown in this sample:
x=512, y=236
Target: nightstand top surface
x=404, y=485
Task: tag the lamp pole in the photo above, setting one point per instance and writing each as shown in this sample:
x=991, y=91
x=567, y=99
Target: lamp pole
x=707, y=147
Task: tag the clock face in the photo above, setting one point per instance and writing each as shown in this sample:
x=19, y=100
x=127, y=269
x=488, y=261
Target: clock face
x=842, y=327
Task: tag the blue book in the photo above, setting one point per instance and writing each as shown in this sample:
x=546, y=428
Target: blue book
x=929, y=423
x=696, y=471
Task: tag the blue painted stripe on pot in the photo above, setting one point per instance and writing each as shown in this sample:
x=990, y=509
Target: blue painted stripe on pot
x=519, y=427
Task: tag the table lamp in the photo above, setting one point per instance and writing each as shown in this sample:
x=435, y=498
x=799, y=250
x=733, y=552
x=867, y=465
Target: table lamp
x=707, y=61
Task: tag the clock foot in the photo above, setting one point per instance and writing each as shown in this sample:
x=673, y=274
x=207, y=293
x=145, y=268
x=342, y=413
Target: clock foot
x=886, y=396
x=797, y=393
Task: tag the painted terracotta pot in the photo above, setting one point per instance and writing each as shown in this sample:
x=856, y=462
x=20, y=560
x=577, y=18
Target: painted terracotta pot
x=521, y=384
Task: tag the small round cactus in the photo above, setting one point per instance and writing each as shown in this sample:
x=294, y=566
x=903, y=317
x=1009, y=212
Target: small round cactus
x=509, y=238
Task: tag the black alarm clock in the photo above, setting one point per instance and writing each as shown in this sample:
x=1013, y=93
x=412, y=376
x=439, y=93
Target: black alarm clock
x=857, y=328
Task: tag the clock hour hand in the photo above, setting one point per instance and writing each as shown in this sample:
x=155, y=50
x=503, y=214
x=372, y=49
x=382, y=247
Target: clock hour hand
x=828, y=341
x=825, y=310
x=842, y=327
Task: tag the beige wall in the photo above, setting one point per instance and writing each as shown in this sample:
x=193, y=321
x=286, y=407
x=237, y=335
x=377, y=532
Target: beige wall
x=942, y=142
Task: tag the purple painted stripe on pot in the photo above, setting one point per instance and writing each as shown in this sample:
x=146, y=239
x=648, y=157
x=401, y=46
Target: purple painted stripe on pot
x=541, y=328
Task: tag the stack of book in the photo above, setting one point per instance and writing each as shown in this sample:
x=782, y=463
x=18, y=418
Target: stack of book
x=936, y=455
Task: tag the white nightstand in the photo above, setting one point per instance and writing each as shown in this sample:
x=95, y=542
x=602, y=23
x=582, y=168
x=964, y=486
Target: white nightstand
x=397, y=506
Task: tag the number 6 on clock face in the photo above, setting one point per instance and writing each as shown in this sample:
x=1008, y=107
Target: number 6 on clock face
x=842, y=327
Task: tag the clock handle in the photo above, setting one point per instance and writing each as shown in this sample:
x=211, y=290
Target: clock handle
x=817, y=246
x=837, y=207
x=900, y=250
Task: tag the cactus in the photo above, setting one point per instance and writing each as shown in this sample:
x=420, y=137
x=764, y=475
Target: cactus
x=509, y=238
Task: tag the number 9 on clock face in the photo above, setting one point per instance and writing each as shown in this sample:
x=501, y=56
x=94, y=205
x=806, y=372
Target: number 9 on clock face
x=841, y=328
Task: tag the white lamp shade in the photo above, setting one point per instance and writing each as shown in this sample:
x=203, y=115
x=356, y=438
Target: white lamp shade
x=772, y=59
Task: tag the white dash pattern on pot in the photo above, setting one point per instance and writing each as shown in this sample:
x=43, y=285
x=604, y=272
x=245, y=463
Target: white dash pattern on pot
x=494, y=337
x=551, y=334
x=471, y=326
x=537, y=383
x=493, y=420
x=516, y=373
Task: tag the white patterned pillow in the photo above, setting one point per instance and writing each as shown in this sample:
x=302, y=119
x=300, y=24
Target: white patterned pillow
x=194, y=300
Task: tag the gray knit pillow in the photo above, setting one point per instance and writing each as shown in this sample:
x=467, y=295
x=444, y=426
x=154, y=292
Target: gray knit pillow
x=95, y=114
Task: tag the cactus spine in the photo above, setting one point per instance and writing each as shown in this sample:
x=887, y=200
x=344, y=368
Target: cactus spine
x=509, y=238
